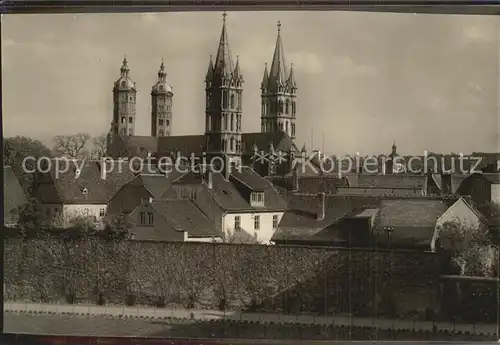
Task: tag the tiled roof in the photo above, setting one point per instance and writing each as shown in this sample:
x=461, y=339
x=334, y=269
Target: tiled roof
x=300, y=220
x=13, y=194
x=187, y=144
x=250, y=178
x=183, y=215
x=142, y=186
x=70, y=186
x=401, y=192
x=387, y=181
x=228, y=193
x=413, y=221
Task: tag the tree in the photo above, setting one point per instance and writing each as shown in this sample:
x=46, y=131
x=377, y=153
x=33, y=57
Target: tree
x=240, y=237
x=469, y=247
x=99, y=146
x=30, y=218
x=16, y=149
x=72, y=146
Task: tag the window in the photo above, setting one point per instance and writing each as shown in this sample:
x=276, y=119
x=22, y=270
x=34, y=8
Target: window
x=168, y=122
x=150, y=218
x=130, y=132
x=130, y=120
x=237, y=222
x=123, y=119
x=275, y=222
x=232, y=101
x=160, y=122
x=286, y=107
x=257, y=197
x=256, y=222
x=102, y=212
x=232, y=122
x=161, y=133
x=143, y=218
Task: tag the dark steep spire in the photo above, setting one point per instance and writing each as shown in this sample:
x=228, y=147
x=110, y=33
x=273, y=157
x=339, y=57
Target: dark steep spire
x=265, y=79
x=223, y=61
x=210, y=71
x=278, y=74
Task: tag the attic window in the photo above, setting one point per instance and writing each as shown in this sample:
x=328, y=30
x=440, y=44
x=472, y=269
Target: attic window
x=77, y=172
x=257, y=199
x=85, y=191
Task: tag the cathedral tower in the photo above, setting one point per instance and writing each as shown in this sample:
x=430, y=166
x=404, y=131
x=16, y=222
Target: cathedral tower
x=161, y=105
x=223, y=88
x=124, y=103
x=278, y=93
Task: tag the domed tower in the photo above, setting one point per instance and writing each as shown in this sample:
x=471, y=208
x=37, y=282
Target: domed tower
x=124, y=103
x=223, y=88
x=161, y=105
x=278, y=93
x=393, y=164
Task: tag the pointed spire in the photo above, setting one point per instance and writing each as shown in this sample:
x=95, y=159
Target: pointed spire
x=265, y=79
x=210, y=71
x=394, y=152
x=237, y=71
x=223, y=61
x=291, y=78
x=125, y=70
x=278, y=74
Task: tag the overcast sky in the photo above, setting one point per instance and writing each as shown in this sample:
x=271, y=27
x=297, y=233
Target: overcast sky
x=430, y=82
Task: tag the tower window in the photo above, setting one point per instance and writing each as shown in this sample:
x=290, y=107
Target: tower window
x=232, y=144
x=232, y=122
x=123, y=119
x=168, y=122
x=232, y=101
x=286, y=107
x=130, y=120
x=160, y=122
x=161, y=133
x=286, y=126
x=124, y=84
x=280, y=106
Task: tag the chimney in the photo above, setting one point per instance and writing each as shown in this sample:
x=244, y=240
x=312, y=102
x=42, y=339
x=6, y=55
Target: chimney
x=321, y=213
x=445, y=184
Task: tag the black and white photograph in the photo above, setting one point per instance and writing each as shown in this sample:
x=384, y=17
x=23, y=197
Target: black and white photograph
x=280, y=176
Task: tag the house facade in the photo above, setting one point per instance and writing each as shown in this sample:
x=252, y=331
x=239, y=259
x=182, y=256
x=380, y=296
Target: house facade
x=171, y=220
x=83, y=189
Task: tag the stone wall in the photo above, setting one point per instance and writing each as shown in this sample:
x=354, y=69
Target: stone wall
x=223, y=276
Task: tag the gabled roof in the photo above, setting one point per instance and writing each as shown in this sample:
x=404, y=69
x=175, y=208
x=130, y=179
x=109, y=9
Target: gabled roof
x=87, y=186
x=228, y=194
x=412, y=221
x=183, y=215
x=14, y=196
x=300, y=220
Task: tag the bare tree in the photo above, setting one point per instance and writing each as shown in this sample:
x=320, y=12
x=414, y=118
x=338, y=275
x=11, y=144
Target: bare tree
x=99, y=146
x=72, y=146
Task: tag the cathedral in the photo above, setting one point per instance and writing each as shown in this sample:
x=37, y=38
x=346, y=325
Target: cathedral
x=223, y=137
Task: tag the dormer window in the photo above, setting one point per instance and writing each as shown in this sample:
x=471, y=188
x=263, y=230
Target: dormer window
x=77, y=173
x=257, y=199
x=85, y=191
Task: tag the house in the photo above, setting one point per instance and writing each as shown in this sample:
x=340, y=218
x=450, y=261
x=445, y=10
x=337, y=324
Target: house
x=143, y=185
x=171, y=220
x=80, y=188
x=241, y=201
x=484, y=188
x=361, y=221
x=14, y=196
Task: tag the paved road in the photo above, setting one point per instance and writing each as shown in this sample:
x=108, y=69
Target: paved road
x=200, y=314
x=83, y=326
